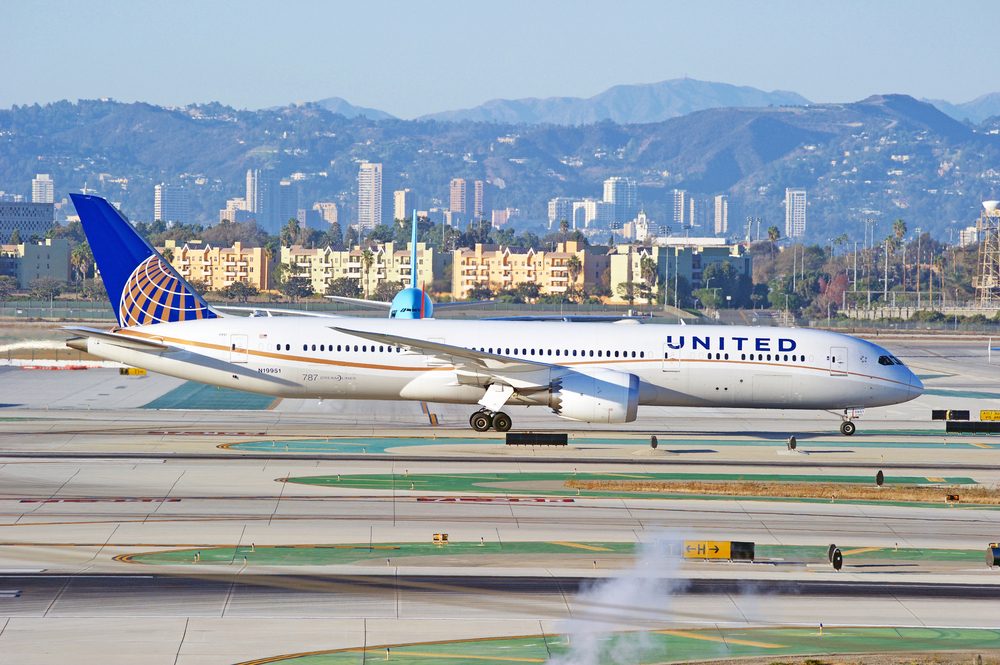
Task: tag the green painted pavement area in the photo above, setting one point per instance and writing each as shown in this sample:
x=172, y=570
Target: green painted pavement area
x=668, y=646
x=964, y=394
x=334, y=555
x=553, y=484
x=192, y=395
x=515, y=483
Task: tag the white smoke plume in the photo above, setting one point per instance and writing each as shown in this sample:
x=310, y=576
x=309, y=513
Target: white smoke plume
x=632, y=601
x=37, y=344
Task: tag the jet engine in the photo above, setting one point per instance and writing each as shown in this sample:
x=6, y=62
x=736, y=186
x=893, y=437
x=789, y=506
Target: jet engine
x=595, y=396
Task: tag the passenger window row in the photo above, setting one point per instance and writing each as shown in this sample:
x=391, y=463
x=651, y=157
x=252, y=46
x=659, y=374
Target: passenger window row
x=562, y=352
x=364, y=348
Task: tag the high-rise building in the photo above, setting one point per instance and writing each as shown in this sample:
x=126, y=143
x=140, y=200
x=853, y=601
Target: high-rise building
x=172, y=204
x=236, y=211
x=795, y=213
x=327, y=210
x=560, y=208
x=43, y=189
x=404, y=202
x=623, y=193
x=264, y=199
x=721, y=214
x=369, y=197
x=698, y=213
x=459, y=196
x=507, y=216
x=288, y=203
x=680, y=208
x=27, y=218
x=590, y=212
x=482, y=207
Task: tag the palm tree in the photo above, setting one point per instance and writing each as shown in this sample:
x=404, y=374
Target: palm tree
x=899, y=229
x=290, y=232
x=367, y=260
x=772, y=235
x=647, y=268
x=564, y=228
x=575, y=268
x=81, y=259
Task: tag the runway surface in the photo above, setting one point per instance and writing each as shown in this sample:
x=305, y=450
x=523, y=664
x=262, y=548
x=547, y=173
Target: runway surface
x=231, y=536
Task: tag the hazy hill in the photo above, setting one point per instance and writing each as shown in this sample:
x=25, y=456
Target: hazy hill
x=341, y=106
x=976, y=111
x=885, y=156
x=624, y=104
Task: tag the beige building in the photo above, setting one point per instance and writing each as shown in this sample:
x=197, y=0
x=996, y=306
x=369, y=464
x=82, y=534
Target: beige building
x=219, y=267
x=687, y=261
x=28, y=262
x=389, y=264
x=506, y=267
x=403, y=203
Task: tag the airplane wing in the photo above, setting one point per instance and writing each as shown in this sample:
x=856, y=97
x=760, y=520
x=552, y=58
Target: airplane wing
x=460, y=357
x=271, y=311
x=375, y=304
x=118, y=340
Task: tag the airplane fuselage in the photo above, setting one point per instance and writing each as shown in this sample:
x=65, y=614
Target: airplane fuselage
x=704, y=366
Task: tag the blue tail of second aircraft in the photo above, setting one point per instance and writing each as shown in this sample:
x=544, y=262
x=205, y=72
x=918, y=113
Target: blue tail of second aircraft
x=143, y=288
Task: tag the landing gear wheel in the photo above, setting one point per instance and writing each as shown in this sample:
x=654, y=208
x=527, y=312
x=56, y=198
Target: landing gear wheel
x=847, y=428
x=480, y=421
x=501, y=422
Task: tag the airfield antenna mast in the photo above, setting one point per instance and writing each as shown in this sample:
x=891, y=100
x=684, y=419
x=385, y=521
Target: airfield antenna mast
x=987, y=283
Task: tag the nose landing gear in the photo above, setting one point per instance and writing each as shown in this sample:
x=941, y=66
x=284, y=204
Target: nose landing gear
x=484, y=419
x=847, y=428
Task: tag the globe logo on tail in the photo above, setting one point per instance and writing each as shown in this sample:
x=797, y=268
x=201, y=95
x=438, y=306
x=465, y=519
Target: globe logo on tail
x=153, y=294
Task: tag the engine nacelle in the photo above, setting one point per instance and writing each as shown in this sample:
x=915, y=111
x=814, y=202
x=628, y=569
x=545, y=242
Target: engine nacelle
x=595, y=396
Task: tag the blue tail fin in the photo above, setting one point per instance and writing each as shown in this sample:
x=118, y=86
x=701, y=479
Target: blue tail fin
x=143, y=288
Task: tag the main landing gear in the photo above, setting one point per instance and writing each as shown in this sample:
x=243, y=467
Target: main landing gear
x=484, y=419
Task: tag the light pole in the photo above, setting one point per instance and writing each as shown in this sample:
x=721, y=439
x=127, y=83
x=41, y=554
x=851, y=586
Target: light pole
x=885, y=284
x=869, y=223
x=758, y=228
x=919, y=238
x=855, y=265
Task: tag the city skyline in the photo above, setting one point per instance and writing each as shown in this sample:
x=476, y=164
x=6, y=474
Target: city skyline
x=863, y=49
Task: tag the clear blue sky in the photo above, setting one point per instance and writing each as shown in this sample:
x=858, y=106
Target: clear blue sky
x=411, y=58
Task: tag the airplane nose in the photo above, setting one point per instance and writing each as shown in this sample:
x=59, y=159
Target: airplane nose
x=916, y=388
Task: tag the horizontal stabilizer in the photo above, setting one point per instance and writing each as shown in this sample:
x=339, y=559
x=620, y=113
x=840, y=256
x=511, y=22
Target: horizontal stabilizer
x=127, y=341
x=361, y=302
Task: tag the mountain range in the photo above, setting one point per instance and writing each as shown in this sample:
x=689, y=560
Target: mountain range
x=641, y=103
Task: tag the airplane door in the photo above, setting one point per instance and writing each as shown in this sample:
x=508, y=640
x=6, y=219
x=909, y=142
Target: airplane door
x=838, y=361
x=671, y=359
x=238, y=351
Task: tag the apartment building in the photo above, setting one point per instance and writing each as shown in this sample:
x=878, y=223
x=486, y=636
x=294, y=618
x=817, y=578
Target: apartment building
x=219, y=267
x=27, y=262
x=505, y=267
x=687, y=260
x=389, y=264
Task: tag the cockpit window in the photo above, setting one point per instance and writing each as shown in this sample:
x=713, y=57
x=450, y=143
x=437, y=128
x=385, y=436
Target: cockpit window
x=897, y=360
x=889, y=360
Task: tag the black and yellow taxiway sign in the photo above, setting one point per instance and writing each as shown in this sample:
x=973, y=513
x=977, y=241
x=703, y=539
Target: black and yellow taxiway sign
x=989, y=415
x=706, y=549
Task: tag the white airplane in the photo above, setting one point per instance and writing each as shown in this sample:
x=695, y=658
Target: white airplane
x=588, y=372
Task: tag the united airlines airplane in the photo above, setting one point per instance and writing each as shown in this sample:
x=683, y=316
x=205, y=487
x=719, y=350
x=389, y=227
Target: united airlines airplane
x=588, y=372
